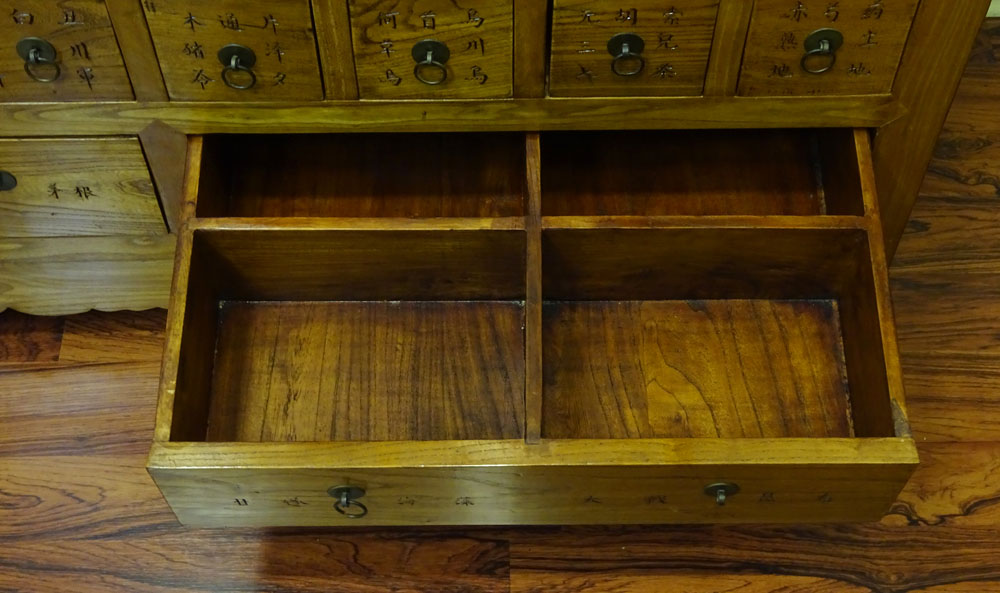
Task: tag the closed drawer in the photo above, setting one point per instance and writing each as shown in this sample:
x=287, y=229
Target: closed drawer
x=646, y=49
x=705, y=340
x=60, y=51
x=76, y=187
x=427, y=49
x=229, y=50
x=812, y=47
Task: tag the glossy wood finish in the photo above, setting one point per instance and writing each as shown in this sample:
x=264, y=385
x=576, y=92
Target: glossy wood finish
x=90, y=63
x=82, y=513
x=137, y=49
x=78, y=187
x=874, y=35
x=677, y=39
x=189, y=35
x=479, y=35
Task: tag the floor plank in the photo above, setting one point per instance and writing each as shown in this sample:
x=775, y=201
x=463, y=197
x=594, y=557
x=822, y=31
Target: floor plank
x=25, y=340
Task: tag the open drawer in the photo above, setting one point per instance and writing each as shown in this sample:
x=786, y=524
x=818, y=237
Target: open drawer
x=525, y=329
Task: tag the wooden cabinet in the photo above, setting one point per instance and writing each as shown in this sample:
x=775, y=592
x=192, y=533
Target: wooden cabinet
x=523, y=328
x=229, y=50
x=60, y=51
x=646, y=49
x=82, y=227
x=433, y=48
x=816, y=47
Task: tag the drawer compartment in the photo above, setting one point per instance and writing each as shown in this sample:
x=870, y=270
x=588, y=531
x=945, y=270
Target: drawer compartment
x=274, y=45
x=658, y=349
x=77, y=187
x=78, y=54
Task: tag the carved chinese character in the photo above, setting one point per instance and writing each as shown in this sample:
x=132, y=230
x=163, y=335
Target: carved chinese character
x=477, y=45
x=666, y=41
x=202, y=79
x=665, y=71
x=585, y=74
x=150, y=5
x=279, y=79
x=799, y=12
x=780, y=71
x=464, y=501
x=766, y=497
x=630, y=15
x=430, y=20
x=868, y=39
x=588, y=17
x=80, y=51
x=672, y=16
x=295, y=502
x=230, y=21
x=194, y=49
x=474, y=18
x=859, y=69
x=478, y=75
x=788, y=41
x=386, y=46
x=656, y=499
x=2, y=85
x=275, y=50
x=394, y=80
x=592, y=500
x=69, y=18
x=84, y=191
x=387, y=18
x=874, y=10
x=406, y=500
x=22, y=17
x=832, y=12
x=270, y=21
x=826, y=498
x=585, y=48
x=54, y=191
x=86, y=74
x=191, y=20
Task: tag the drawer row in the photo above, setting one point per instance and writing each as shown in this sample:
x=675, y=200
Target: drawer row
x=304, y=50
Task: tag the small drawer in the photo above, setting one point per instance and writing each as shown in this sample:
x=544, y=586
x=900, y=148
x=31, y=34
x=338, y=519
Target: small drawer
x=229, y=50
x=815, y=47
x=60, y=51
x=646, y=49
x=457, y=342
x=76, y=187
x=433, y=49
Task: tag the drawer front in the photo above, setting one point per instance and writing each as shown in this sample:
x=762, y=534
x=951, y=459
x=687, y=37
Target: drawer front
x=277, y=60
x=79, y=58
x=476, y=64
x=532, y=495
x=871, y=35
x=77, y=187
x=588, y=57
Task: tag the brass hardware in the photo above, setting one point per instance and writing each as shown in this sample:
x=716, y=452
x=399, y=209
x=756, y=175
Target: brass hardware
x=38, y=53
x=626, y=48
x=7, y=181
x=237, y=58
x=822, y=43
x=721, y=491
x=431, y=56
x=347, y=499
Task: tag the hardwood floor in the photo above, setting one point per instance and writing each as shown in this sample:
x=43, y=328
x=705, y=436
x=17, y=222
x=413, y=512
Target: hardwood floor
x=79, y=513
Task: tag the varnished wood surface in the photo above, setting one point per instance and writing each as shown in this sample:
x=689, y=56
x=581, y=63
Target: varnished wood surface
x=368, y=371
x=80, y=513
x=660, y=369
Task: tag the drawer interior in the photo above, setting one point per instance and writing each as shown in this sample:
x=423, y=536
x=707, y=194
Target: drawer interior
x=701, y=173
x=363, y=175
x=563, y=286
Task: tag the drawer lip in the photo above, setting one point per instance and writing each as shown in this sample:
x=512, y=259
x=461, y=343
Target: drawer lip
x=799, y=452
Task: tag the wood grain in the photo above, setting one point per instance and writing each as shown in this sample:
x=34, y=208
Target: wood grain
x=677, y=40
x=660, y=369
x=78, y=187
x=333, y=36
x=368, y=371
x=90, y=62
x=875, y=34
x=123, y=336
x=166, y=152
x=727, y=48
x=479, y=35
x=369, y=175
x=188, y=36
x=137, y=49
x=531, y=20
x=25, y=340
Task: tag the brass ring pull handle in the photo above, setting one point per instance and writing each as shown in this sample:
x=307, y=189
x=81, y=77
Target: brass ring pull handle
x=7, y=181
x=237, y=60
x=627, y=49
x=431, y=56
x=821, y=44
x=347, y=503
x=721, y=491
x=37, y=54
